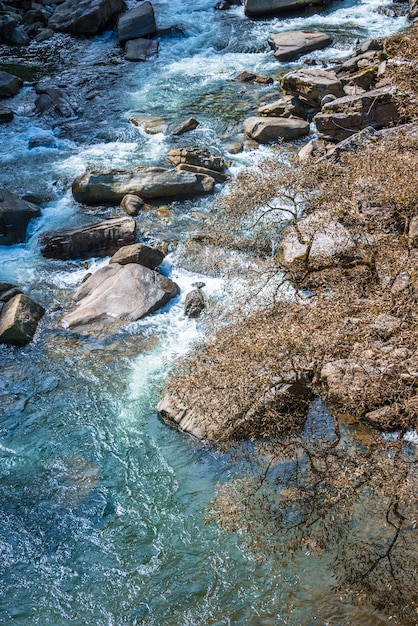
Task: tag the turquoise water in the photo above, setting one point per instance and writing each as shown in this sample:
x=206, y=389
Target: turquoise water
x=102, y=505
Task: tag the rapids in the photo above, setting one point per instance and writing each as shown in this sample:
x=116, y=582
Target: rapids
x=102, y=505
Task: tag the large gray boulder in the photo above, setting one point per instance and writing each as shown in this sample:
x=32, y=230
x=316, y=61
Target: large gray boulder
x=15, y=215
x=84, y=17
x=138, y=253
x=293, y=43
x=137, y=23
x=343, y=117
x=312, y=85
x=19, y=319
x=267, y=129
x=255, y=8
x=110, y=186
x=119, y=293
x=10, y=84
x=95, y=240
x=141, y=49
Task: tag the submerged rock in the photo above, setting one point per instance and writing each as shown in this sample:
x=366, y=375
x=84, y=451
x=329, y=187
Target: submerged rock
x=119, y=293
x=85, y=17
x=15, y=215
x=110, y=186
x=19, y=319
x=293, y=43
x=100, y=239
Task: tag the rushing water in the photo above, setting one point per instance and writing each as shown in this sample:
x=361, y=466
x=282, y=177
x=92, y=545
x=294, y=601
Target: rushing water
x=102, y=505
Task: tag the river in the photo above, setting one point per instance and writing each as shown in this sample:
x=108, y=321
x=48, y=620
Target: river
x=102, y=505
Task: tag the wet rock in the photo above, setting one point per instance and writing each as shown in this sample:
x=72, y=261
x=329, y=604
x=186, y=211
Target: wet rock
x=312, y=85
x=131, y=204
x=10, y=85
x=95, y=240
x=15, y=215
x=218, y=177
x=194, y=304
x=85, y=17
x=287, y=106
x=197, y=156
x=252, y=77
x=138, y=253
x=6, y=115
x=151, y=125
x=190, y=124
x=123, y=293
x=8, y=294
x=256, y=8
x=19, y=319
x=291, y=44
x=44, y=34
x=54, y=102
x=141, y=49
x=345, y=116
x=109, y=186
x=137, y=23
x=266, y=129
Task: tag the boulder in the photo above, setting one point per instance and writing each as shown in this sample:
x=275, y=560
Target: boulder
x=266, y=129
x=54, y=102
x=19, y=319
x=10, y=85
x=287, y=106
x=109, y=186
x=84, y=17
x=312, y=85
x=141, y=49
x=137, y=23
x=122, y=293
x=95, y=240
x=7, y=295
x=293, y=43
x=252, y=77
x=149, y=124
x=197, y=156
x=413, y=9
x=256, y=8
x=190, y=124
x=194, y=303
x=343, y=117
x=317, y=243
x=131, y=204
x=138, y=253
x=6, y=115
x=15, y=215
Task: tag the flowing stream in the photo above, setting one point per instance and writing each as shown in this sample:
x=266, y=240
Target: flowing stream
x=102, y=505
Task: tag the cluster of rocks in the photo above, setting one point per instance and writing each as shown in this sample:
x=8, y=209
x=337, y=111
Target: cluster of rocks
x=340, y=101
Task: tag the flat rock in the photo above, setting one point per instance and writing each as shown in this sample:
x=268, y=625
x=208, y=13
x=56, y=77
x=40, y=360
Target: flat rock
x=19, y=319
x=291, y=44
x=95, y=240
x=85, y=17
x=110, y=186
x=251, y=77
x=119, y=293
x=287, y=106
x=141, y=49
x=15, y=215
x=137, y=23
x=149, y=124
x=138, y=253
x=312, y=85
x=345, y=116
x=10, y=85
x=266, y=129
x=255, y=8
